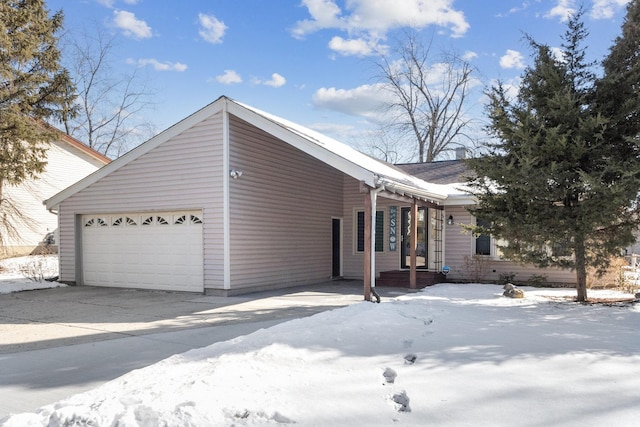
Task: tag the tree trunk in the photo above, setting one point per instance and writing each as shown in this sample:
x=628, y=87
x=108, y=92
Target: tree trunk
x=581, y=269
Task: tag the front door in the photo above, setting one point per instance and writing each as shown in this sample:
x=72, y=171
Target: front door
x=336, y=247
x=405, y=248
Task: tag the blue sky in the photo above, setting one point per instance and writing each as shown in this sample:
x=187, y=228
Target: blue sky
x=311, y=61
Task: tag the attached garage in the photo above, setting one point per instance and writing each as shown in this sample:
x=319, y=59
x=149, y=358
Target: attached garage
x=229, y=200
x=158, y=250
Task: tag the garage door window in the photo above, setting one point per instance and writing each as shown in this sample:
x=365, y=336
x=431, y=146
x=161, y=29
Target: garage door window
x=188, y=219
x=93, y=222
x=119, y=222
x=145, y=220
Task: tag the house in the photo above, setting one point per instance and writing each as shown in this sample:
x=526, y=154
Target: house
x=472, y=258
x=232, y=199
x=68, y=160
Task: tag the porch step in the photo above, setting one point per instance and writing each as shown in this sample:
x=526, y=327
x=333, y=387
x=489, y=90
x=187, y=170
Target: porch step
x=400, y=278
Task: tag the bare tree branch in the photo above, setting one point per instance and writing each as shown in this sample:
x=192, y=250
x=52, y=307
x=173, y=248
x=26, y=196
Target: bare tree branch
x=110, y=118
x=427, y=99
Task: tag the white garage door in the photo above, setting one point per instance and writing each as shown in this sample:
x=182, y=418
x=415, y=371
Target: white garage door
x=160, y=250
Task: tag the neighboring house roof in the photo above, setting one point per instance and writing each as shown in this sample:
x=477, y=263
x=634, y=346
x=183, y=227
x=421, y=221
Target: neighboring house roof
x=441, y=172
x=374, y=173
x=78, y=145
x=448, y=173
x=84, y=148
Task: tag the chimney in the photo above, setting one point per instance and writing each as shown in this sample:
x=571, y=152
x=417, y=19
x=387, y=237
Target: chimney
x=461, y=153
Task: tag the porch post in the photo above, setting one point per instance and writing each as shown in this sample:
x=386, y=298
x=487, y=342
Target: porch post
x=413, y=276
x=367, y=247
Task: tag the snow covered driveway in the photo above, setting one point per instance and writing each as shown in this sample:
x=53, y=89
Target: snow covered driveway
x=453, y=355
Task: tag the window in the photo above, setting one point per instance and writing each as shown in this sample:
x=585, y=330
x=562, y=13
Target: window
x=561, y=249
x=483, y=241
x=379, y=231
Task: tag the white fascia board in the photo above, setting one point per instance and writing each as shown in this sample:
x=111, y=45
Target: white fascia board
x=410, y=191
x=135, y=153
x=459, y=195
x=303, y=144
x=460, y=200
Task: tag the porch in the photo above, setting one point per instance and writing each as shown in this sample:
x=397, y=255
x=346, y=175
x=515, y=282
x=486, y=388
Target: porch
x=402, y=279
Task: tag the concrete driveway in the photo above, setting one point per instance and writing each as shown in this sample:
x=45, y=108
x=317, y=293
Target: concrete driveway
x=62, y=341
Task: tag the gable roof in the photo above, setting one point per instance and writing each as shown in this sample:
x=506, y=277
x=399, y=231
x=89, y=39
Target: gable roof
x=372, y=172
x=80, y=146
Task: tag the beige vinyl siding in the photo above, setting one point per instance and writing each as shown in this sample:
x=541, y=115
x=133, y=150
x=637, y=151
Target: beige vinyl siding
x=460, y=243
x=65, y=166
x=184, y=173
x=353, y=260
x=280, y=211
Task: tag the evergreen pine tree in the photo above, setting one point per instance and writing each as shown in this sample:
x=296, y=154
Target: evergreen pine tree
x=33, y=86
x=554, y=185
x=618, y=92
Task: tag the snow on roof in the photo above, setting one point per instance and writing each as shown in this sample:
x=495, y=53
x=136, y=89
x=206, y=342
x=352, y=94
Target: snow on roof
x=345, y=158
x=392, y=177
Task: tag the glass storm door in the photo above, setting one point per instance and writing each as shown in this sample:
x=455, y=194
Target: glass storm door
x=421, y=248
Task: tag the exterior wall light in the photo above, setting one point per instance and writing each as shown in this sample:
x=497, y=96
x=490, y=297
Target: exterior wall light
x=235, y=173
x=450, y=220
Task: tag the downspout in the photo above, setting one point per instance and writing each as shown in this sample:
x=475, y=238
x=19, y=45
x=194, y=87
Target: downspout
x=55, y=212
x=373, y=193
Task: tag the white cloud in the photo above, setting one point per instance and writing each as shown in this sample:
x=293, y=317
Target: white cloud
x=159, y=66
x=371, y=20
x=605, y=9
x=558, y=54
x=130, y=25
x=512, y=59
x=324, y=13
x=276, y=81
x=356, y=47
x=512, y=87
x=563, y=10
x=212, y=29
x=110, y=3
x=229, y=77
x=362, y=101
x=516, y=9
x=469, y=55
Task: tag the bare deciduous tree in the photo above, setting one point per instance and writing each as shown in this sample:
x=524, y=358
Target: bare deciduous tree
x=427, y=99
x=109, y=106
x=387, y=146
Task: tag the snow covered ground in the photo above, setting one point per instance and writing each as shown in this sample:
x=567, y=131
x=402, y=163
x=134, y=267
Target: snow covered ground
x=28, y=273
x=451, y=355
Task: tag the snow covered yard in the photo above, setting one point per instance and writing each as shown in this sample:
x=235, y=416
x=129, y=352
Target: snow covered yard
x=454, y=355
x=28, y=273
